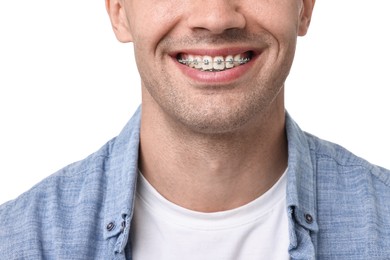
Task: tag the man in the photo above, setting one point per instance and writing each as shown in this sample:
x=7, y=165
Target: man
x=211, y=166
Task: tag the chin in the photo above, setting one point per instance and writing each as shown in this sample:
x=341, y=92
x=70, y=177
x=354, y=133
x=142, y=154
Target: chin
x=217, y=122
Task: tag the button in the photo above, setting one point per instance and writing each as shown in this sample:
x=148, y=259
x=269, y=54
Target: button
x=110, y=226
x=308, y=218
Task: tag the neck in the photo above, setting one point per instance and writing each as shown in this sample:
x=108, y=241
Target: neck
x=210, y=173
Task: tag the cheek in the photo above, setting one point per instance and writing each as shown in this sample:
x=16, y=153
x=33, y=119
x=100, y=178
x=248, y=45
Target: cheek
x=153, y=20
x=279, y=18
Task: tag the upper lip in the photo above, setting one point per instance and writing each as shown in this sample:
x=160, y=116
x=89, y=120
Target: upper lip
x=215, y=52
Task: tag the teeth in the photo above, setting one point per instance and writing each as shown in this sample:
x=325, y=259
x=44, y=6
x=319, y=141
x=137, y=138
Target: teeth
x=218, y=63
x=191, y=62
x=237, y=59
x=207, y=63
x=229, y=62
x=197, y=62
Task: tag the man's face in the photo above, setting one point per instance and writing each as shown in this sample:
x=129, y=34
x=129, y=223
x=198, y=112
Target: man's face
x=212, y=65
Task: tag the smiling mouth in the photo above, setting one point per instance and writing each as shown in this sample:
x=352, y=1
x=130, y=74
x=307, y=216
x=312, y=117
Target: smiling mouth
x=216, y=63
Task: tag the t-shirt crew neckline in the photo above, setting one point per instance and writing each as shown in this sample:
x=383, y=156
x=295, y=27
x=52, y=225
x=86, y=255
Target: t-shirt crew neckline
x=173, y=214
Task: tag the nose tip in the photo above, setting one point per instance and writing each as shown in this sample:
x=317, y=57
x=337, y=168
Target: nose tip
x=215, y=16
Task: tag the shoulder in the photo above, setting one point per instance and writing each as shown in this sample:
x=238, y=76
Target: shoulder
x=65, y=216
x=336, y=161
x=60, y=205
x=353, y=202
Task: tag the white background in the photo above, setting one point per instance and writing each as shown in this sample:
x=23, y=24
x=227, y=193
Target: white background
x=67, y=86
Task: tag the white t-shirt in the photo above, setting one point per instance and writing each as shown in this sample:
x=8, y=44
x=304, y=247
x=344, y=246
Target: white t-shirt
x=162, y=230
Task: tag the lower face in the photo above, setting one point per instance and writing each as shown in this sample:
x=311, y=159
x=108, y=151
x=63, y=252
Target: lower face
x=215, y=83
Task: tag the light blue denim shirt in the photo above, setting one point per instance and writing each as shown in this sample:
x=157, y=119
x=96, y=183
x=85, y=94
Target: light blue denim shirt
x=338, y=204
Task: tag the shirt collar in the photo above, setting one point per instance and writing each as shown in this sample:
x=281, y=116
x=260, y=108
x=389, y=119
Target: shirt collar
x=122, y=169
x=301, y=184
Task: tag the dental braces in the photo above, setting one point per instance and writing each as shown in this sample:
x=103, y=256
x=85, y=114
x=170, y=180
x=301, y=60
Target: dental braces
x=218, y=61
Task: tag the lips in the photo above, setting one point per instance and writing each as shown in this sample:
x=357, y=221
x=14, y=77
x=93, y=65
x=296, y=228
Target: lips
x=214, y=63
x=209, y=67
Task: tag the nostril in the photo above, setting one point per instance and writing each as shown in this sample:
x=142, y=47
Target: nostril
x=218, y=18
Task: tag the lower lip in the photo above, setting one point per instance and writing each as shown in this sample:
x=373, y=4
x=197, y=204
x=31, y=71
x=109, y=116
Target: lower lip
x=217, y=77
